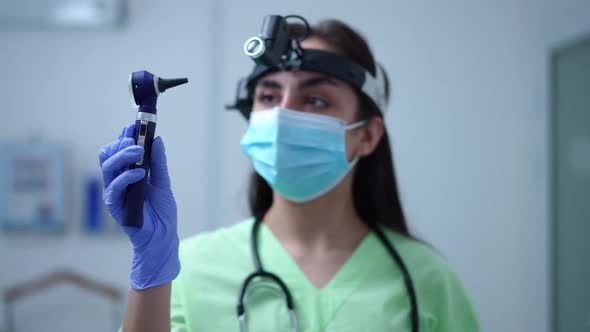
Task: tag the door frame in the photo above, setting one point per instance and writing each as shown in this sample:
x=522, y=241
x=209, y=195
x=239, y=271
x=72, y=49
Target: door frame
x=554, y=52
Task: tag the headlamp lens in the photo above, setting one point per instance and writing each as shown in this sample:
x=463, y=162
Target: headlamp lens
x=254, y=47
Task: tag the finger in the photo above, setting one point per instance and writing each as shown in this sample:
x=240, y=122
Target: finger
x=109, y=150
x=120, y=161
x=128, y=131
x=115, y=192
x=158, y=168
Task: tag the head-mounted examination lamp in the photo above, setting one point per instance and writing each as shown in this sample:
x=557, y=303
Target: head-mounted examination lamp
x=273, y=49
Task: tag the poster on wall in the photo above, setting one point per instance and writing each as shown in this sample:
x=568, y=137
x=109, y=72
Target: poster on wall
x=31, y=186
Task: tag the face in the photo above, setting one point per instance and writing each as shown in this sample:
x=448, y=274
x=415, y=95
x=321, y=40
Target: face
x=320, y=94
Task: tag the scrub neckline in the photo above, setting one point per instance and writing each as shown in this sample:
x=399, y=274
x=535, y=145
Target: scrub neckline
x=276, y=259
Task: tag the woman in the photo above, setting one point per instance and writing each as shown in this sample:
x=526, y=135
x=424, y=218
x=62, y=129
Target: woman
x=322, y=231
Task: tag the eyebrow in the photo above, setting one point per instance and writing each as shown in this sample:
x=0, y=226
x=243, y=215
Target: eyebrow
x=307, y=83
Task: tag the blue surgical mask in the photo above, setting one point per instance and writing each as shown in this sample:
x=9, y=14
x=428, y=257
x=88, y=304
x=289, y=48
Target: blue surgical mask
x=300, y=155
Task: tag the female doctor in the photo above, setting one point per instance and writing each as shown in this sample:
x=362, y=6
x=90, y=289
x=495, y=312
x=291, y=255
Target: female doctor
x=327, y=247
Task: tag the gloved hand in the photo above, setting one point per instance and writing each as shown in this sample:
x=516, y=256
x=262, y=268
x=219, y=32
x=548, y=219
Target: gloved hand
x=155, y=244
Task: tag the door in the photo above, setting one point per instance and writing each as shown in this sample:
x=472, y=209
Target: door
x=571, y=186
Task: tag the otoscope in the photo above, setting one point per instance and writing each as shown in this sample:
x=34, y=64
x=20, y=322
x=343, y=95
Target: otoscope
x=145, y=88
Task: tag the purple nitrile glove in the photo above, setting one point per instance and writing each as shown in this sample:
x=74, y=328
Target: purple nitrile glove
x=155, y=244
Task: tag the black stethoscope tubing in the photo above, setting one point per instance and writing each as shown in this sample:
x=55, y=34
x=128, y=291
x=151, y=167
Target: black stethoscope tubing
x=259, y=271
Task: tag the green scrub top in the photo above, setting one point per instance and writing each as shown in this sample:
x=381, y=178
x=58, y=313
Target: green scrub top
x=366, y=294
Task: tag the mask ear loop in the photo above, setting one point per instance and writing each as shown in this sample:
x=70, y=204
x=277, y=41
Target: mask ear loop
x=357, y=124
x=352, y=126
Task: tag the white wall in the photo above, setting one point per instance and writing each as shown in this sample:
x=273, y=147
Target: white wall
x=469, y=122
x=71, y=86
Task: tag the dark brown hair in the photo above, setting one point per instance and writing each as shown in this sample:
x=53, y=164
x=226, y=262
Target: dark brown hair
x=375, y=193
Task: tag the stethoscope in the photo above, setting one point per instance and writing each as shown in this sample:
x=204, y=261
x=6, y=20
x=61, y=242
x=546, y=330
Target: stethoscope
x=261, y=272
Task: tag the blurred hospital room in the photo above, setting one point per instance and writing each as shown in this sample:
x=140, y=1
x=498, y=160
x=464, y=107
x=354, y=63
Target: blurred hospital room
x=489, y=124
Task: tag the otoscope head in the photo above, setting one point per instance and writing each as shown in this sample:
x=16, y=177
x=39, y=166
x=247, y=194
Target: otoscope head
x=167, y=83
x=145, y=86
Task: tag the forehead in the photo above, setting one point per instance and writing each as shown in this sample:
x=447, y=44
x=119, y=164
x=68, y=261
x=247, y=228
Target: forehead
x=318, y=44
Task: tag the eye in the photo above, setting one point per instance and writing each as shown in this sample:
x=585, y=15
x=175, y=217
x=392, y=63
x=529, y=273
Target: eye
x=266, y=98
x=317, y=102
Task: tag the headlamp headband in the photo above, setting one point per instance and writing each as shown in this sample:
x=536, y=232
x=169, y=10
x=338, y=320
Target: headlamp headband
x=274, y=50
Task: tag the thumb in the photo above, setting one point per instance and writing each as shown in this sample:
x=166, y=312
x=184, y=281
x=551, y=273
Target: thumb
x=158, y=168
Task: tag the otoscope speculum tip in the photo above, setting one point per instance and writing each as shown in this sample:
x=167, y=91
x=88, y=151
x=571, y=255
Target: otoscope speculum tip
x=167, y=83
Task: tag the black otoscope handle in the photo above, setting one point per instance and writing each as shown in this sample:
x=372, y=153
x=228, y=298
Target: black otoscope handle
x=134, y=199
